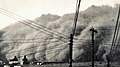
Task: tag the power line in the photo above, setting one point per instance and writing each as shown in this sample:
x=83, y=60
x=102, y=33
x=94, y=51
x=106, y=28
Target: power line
x=48, y=53
x=115, y=33
x=45, y=28
x=32, y=21
x=56, y=46
x=30, y=40
x=31, y=26
x=58, y=52
x=35, y=42
x=118, y=43
x=27, y=42
x=76, y=15
x=73, y=33
x=36, y=47
x=10, y=39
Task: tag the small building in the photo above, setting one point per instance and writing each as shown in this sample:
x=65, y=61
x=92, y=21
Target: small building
x=14, y=61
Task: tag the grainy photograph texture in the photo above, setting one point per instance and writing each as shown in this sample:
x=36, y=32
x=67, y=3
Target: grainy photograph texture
x=59, y=33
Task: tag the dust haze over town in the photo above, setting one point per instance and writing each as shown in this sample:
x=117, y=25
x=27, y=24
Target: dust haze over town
x=41, y=45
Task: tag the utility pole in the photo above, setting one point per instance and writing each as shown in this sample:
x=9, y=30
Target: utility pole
x=92, y=46
x=73, y=33
x=71, y=46
x=108, y=60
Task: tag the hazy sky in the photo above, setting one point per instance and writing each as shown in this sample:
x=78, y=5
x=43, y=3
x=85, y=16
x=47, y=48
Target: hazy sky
x=34, y=8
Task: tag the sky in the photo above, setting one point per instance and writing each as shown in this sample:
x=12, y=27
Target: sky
x=31, y=9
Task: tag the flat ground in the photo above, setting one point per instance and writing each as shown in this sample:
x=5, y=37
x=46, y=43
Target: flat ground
x=88, y=64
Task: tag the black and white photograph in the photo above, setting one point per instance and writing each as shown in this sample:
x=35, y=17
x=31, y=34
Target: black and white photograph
x=59, y=33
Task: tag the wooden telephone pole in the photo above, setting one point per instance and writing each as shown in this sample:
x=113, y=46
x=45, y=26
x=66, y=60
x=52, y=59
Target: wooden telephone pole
x=71, y=46
x=108, y=60
x=72, y=35
x=92, y=46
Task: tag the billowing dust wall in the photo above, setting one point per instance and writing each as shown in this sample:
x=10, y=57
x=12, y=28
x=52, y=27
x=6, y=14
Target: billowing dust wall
x=20, y=40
